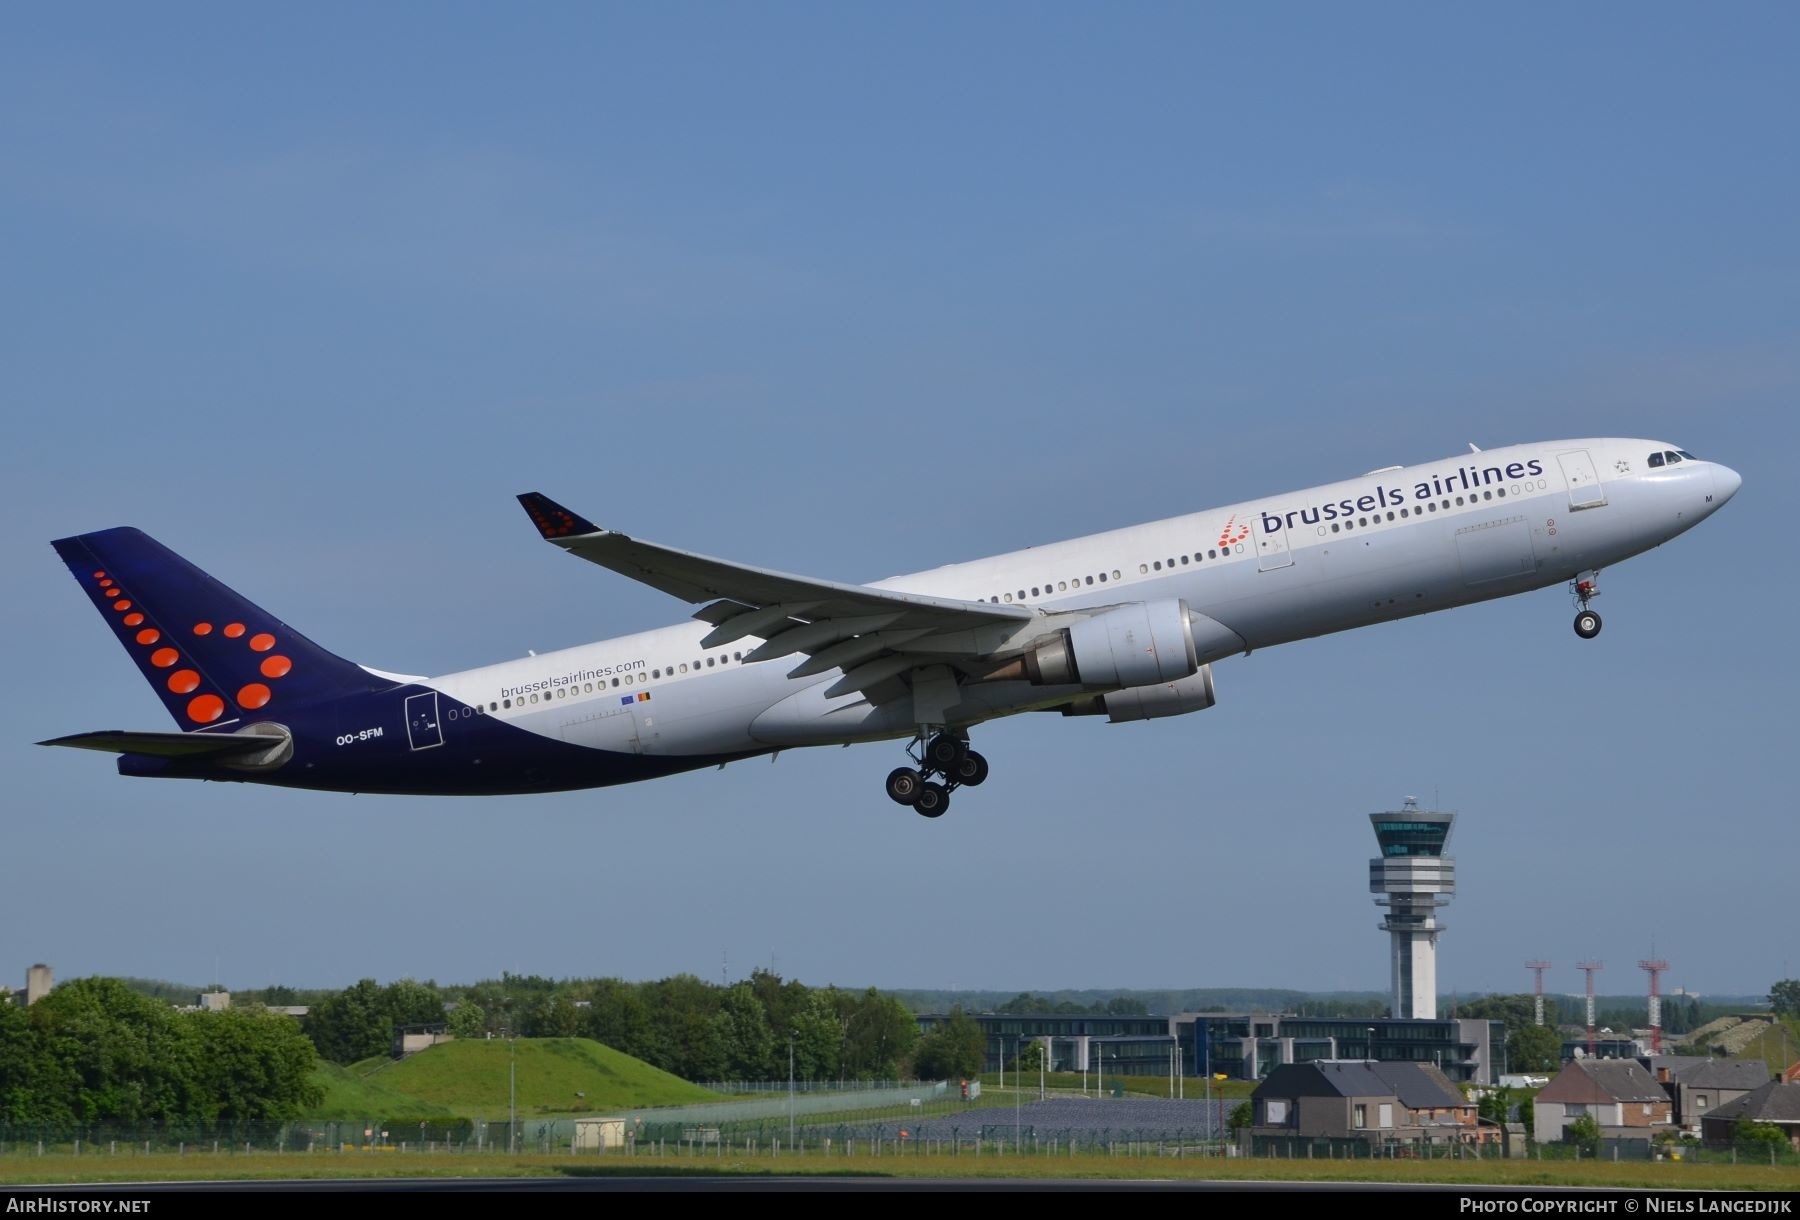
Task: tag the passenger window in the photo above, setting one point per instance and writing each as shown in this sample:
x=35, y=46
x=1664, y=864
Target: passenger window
x=1115, y=573
x=1062, y=586
x=1090, y=580
x=1334, y=527
x=1656, y=459
x=1144, y=568
x=1103, y=578
x=1009, y=598
x=1431, y=507
x=1184, y=560
x=508, y=702
x=1021, y=595
x=1211, y=553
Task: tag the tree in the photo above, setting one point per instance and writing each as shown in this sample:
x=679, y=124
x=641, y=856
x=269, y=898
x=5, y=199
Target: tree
x=619, y=1016
x=1746, y=1133
x=467, y=1020
x=818, y=1037
x=748, y=1043
x=1584, y=1133
x=955, y=1050
x=1241, y=1116
x=120, y=1056
x=34, y=1088
x=352, y=1025
x=1030, y=1057
x=1496, y=1105
x=253, y=1066
x=879, y=1035
x=1536, y=1048
x=410, y=1003
x=1784, y=998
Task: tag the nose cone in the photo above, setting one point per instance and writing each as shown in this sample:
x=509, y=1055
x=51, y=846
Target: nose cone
x=1726, y=481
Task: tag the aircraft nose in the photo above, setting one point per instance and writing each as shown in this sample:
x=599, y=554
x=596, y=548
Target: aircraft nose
x=1726, y=481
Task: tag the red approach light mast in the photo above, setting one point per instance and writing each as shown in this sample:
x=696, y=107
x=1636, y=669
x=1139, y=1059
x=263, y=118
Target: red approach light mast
x=1654, y=967
x=1537, y=969
x=1591, y=968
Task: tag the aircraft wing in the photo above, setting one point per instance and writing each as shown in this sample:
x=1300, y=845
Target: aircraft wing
x=859, y=629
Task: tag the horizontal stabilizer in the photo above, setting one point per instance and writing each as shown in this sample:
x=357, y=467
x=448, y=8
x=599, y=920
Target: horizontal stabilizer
x=165, y=745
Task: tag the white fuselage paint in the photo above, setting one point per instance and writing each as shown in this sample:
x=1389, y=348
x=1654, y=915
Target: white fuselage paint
x=1415, y=539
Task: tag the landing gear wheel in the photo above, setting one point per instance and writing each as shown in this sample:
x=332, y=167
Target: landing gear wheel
x=1587, y=624
x=970, y=770
x=904, y=785
x=943, y=751
x=932, y=801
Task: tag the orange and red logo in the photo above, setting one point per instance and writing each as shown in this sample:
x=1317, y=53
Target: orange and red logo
x=204, y=707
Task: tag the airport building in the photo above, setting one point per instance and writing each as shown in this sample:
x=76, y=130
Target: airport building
x=1242, y=1046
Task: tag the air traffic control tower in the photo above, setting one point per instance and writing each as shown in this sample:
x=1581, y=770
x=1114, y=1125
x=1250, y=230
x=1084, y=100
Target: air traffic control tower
x=1413, y=878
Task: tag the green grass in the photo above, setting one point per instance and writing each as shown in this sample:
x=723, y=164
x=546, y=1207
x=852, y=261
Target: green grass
x=470, y=1078
x=1772, y=1047
x=918, y=1161
x=352, y=1095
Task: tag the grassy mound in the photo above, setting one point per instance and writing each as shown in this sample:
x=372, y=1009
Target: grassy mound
x=555, y=1076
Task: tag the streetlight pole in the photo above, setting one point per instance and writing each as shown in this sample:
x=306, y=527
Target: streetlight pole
x=1018, y=1103
x=790, y=1089
x=1206, y=1057
x=512, y=1094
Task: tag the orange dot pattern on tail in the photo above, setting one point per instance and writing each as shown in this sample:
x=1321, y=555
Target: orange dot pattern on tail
x=205, y=707
x=552, y=522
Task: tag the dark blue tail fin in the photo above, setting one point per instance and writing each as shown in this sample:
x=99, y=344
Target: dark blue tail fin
x=212, y=657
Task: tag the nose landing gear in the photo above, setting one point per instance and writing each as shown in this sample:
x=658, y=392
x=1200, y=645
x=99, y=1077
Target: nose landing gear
x=1586, y=587
x=944, y=755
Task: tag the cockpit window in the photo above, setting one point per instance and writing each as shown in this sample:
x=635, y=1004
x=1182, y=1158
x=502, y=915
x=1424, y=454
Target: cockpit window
x=1671, y=457
x=1690, y=457
x=1656, y=459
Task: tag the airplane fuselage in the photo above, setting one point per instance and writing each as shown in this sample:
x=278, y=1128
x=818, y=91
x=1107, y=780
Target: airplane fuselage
x=1387, y=545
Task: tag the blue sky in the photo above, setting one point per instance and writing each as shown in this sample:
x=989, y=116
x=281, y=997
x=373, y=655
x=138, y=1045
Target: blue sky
x=855, y=290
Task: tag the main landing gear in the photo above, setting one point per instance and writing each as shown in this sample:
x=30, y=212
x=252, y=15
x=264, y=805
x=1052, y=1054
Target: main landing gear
x=1586, y=588
x=944, y=755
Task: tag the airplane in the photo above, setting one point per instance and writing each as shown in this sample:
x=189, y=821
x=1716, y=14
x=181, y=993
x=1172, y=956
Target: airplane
x=1125, y=624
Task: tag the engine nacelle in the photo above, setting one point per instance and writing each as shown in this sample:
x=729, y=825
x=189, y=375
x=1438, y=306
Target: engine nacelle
x=1136, y=644
x=1193, y=693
